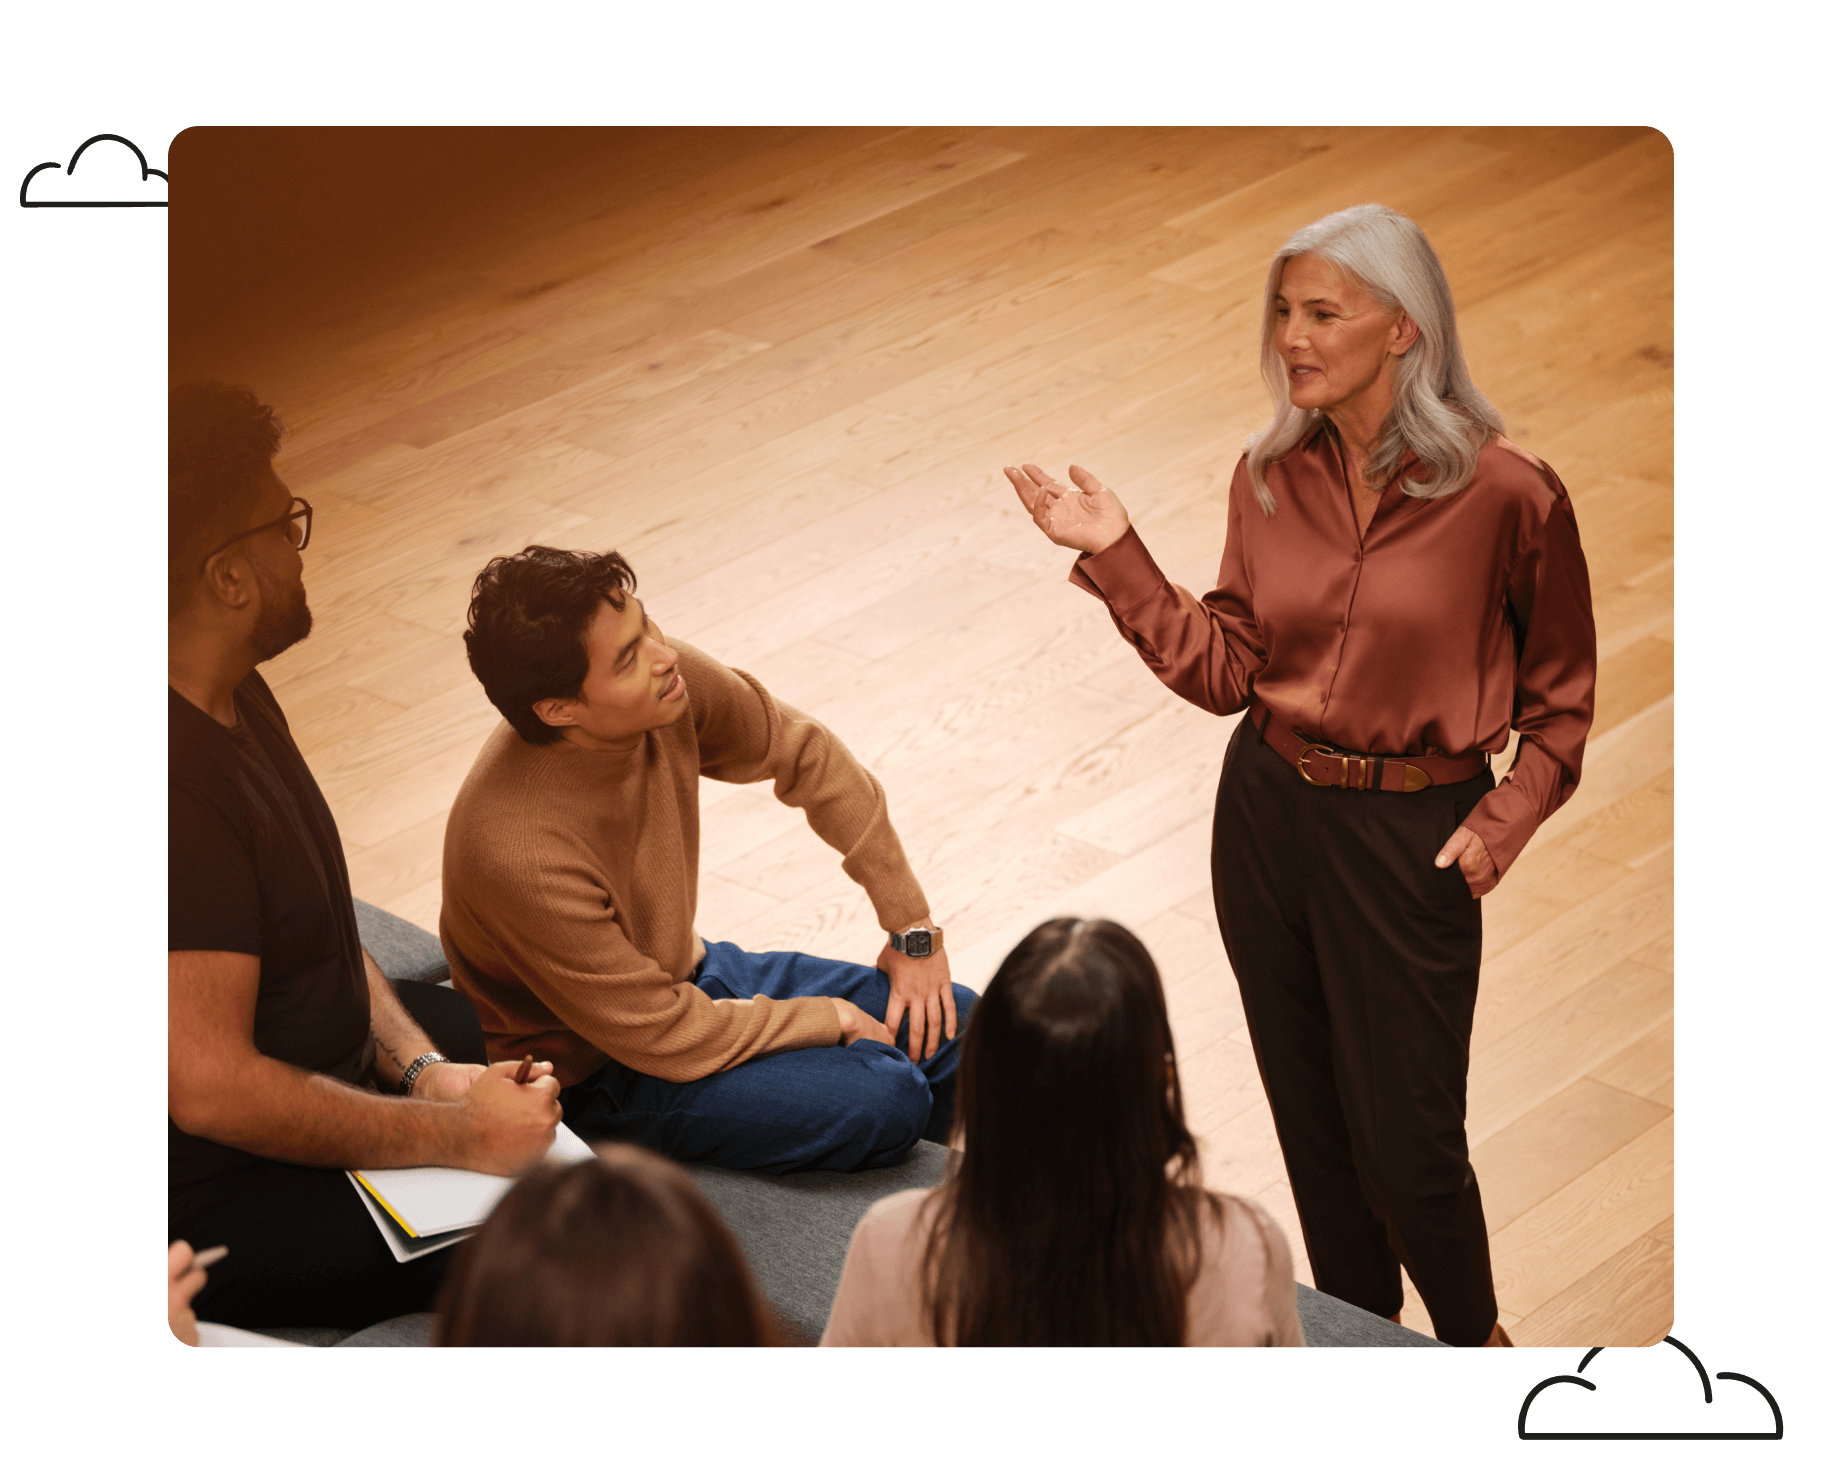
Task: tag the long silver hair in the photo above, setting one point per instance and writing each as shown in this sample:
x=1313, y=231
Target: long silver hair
x=1438, y=413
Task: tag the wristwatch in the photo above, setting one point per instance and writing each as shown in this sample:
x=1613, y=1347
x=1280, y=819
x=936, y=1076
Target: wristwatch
x=414, y=1071
x=921, y=940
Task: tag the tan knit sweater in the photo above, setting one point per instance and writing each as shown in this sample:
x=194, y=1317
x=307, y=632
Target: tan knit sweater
x=568, y=883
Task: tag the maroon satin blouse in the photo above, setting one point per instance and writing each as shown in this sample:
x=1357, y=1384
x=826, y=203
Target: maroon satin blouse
x=1448, y=624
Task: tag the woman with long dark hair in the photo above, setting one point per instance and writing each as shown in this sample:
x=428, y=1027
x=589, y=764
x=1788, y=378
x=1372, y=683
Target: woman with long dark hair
x=1075, y=1215
x=621, y=1249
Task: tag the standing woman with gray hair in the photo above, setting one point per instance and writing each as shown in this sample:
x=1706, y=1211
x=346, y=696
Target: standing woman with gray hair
x=1401, y=588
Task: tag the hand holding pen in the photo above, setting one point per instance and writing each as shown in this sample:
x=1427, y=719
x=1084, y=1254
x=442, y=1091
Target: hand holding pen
x=512, y=1112
x=185, y=1275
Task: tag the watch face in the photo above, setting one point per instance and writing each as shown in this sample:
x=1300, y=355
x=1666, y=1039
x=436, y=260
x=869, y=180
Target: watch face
x=918, y=943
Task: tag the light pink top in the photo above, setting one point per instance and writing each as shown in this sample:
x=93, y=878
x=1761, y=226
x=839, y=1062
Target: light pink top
x=1243, y=1295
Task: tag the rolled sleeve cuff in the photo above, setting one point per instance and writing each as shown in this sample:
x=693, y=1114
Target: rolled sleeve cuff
x=1504, y=821
x=899, y=903
x=1124, y=574
x=817, y=1022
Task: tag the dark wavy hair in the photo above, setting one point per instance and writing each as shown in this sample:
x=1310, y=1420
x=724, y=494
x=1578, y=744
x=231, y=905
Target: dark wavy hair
x=219, y=440
x=527, y=628
x=618, y=1250
x=1073, y=1216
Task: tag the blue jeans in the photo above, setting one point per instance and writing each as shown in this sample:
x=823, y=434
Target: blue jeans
x=854, y=1108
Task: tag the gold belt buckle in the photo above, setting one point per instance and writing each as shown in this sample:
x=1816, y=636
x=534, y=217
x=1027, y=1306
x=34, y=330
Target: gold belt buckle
x=1415, y=779
x=1303, y=756
x=1362, y=775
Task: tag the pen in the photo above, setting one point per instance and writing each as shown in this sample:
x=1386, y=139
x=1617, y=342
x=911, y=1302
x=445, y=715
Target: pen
x=523, y=1073
x=209, y=1258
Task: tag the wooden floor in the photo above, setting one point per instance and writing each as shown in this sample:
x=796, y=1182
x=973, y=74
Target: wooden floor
x=780, y=369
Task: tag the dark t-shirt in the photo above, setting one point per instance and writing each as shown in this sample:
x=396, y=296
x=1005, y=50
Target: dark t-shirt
x=254, y=865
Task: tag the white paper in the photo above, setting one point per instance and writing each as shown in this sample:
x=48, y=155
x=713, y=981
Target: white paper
x=227, y=1336
x=403, y=1247
x=434, y=1199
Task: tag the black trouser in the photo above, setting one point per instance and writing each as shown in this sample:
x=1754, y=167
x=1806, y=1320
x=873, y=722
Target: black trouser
x=1357, y=962
x=304, y=1253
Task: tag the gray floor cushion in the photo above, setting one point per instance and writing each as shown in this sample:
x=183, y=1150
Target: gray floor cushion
x=314, y=1338
x=411, y=1331
x=1330, y=1323
x=404, y=952
x=795, y=1230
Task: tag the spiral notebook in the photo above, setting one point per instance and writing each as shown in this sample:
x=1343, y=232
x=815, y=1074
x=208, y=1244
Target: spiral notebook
x=423, y=1208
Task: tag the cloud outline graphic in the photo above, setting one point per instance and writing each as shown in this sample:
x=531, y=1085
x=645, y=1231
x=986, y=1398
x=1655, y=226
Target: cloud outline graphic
x=1705, y=1384
x=91, y=204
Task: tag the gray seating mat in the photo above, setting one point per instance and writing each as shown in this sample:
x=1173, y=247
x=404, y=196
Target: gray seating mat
x=402, y=951
x=795, y=1230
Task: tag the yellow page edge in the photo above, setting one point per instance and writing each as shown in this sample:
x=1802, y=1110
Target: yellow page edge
x=377, y=1196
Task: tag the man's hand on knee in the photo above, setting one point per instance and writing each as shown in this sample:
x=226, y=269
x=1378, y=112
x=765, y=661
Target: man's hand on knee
x=856, y=1024
x=920, y=989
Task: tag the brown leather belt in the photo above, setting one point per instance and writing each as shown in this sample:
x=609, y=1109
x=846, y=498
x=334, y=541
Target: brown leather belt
x=1324, y=766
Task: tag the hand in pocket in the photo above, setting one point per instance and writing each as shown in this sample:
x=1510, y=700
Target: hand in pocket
x=1470, y=854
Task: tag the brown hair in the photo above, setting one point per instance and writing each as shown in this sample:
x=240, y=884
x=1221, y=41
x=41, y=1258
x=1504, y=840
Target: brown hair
x=527, y=628
x=1073, y=1216
x=618, y=1250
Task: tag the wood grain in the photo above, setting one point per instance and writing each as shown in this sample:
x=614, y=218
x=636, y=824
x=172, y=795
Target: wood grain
x=781, y=370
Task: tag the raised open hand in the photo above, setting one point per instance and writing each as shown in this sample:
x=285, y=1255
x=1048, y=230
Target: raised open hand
x=1089, y=519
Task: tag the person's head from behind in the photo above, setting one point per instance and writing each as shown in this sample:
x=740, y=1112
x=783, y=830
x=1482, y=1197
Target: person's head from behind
x=621, y=1249
x=1071, y=1217
x=562, y=644
x=234, y=532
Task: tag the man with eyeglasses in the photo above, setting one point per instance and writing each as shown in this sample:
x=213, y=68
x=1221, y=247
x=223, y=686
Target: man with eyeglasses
x=285, y=1042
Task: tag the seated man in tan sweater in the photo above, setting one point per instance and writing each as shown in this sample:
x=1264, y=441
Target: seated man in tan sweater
x=569, y=895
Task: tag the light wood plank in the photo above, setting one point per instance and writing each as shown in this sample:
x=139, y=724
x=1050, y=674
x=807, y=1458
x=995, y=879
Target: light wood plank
x=1575, y=1230
x=323, y=717
x=1660, y=954
x=1626, y=612
x=1239, y=1153
x=1645, y=1067
x=1200, y=906
x=1524, y=1162
x=1632, y=680
x=1369, y=163
x=1626, y=526
x=1219, y=1083
x=1545, y=884
x=725, y=910
x=1182, y=946
x=400, y=864
x=1627, y=1300
x=1616, y=763
x=1597, y=934
x=420, y=906
x=1579, y=1034
x=1184, y=778
x=1634, y=828
x=1205, y=1011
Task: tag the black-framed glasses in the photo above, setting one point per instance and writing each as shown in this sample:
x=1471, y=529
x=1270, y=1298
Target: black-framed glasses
x=298, y=521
